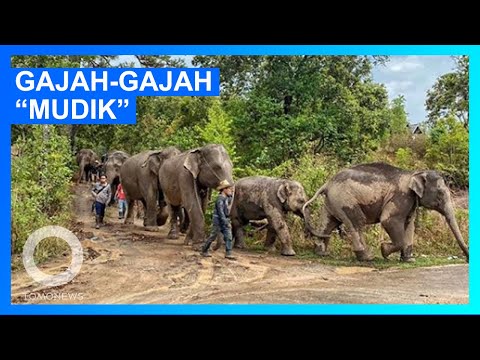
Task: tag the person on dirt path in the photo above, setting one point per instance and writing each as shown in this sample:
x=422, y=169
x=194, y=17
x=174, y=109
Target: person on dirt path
x=102, y=194
x=221, y=222
x=122, y=202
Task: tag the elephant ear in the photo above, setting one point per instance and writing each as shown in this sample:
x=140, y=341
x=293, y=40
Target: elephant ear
x=283, y=192
x=191, y=162
x=153, y=162
x=417, y=183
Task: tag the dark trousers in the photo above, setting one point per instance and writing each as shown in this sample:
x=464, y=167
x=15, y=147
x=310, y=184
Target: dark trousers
x=100, y=209
x=226, y=231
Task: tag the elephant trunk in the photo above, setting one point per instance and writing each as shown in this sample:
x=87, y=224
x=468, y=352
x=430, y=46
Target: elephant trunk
x=452, y=223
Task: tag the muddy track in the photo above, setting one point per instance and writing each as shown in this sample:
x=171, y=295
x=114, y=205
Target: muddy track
x=125, y=265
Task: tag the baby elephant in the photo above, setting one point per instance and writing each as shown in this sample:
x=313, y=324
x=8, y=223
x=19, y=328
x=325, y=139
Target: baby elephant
x=261, y=197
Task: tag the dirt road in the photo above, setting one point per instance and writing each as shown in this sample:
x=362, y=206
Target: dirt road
x=125, y=265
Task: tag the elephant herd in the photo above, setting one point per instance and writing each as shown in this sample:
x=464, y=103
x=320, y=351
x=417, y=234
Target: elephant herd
x=177, y=185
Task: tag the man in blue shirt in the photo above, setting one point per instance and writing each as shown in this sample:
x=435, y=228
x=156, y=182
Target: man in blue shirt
x=221, y=222
x=102, y=193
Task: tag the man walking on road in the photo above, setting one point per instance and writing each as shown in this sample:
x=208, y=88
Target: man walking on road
x=102, y=194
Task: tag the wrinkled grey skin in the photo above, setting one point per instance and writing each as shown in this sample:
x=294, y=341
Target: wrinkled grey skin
x=139, y=177
x=261, y=197
x=187, y=180
x=111, y=168
x=380, y=193
x=87, y=159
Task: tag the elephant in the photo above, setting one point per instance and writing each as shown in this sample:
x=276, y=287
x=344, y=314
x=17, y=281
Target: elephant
x=261, y=197
x=377, y=192
x=88, y=162
x=111, y=168
x=186, y=181
x=139, y=177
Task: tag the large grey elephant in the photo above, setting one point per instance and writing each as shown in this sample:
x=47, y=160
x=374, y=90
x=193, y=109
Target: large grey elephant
x=111, y=168
x=262, y=197
x=186, y=181
x=380, y=193
x=139, y=177
x=87, y=161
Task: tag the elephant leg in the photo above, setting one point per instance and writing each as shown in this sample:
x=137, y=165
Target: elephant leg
x=150, y=221
x=406, y=253
x=193, y=204
x=354, y=220
x=162, y=215
x=196, y=231
x=270, y=239
x=113, y=187
x=277, y=222
x=184, y=222
x=238, y=233
x=395, y=228
x=174, y=211
x=129, y=218
x=144, y=211
x=140, y=214
x=188, y=237
x=328, y=223
x=204, y=200
x=80, y=175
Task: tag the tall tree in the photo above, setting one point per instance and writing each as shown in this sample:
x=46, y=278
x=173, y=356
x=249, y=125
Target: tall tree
x=450, y=94
x=292, y=102
x=399, y=120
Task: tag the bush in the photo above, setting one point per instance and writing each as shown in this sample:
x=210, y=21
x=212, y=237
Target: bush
x=448, y=151
x=40, y=188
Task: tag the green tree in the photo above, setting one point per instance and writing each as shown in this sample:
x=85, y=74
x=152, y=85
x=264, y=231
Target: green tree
x=450, y=94
x=448, y=150
x=286, y=104
x=41, y=174
x=399, y=120
x=218, y=129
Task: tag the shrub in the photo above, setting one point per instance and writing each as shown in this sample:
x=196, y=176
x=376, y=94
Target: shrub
x=40, y=178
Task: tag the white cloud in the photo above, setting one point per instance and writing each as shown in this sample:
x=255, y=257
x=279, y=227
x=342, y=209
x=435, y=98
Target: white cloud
x=404, y=66
x=412, y=77
x=397, y=86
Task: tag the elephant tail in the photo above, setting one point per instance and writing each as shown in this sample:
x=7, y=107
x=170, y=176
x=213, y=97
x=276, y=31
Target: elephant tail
x=319, y=191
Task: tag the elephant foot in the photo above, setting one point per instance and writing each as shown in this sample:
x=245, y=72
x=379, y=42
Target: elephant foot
x=152, y=228
x=386, y=249
x=406, y=255
x=364, y=255
x=128, y=222
x=187, y=241
x=288, y=251
x=172, y=235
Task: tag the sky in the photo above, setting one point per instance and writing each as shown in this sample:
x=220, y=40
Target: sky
x=410, y=76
